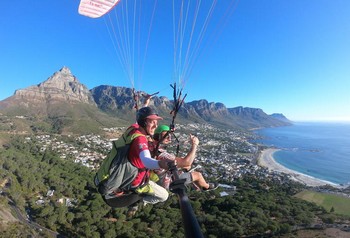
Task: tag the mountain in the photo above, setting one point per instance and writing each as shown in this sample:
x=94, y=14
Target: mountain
x=61, y=86
x=239, y=117
x=62, y=104
x=119, y=101
x=280, y=117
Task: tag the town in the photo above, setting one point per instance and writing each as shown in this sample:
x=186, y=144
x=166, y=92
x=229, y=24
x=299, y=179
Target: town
x=228, y=152
x=223, y=154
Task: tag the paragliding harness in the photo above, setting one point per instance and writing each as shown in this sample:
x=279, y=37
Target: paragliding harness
x=116, y=173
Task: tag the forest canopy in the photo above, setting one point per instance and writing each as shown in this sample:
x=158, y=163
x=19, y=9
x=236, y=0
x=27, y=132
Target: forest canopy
x=75, y=209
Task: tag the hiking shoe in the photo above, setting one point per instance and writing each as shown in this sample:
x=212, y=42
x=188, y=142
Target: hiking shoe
x=132, y=211
x=212, y=186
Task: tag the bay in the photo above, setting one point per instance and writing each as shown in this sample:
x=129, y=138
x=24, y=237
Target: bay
x=320, y=150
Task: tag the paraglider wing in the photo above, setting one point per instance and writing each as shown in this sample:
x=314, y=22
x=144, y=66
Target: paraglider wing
x=96, y=8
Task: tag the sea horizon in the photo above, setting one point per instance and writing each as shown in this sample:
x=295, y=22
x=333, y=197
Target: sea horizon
x=320, y=149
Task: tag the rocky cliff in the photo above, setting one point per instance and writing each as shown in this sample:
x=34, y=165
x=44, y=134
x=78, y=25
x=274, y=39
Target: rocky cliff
x=119, y=101
x=60, y=104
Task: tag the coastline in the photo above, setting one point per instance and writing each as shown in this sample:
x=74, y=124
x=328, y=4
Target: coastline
x=266, y=160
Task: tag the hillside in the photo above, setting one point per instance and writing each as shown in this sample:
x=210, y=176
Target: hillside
x=60, y=104
x=251, y=202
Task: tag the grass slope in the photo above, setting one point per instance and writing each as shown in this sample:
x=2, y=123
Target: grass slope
x=340, y=204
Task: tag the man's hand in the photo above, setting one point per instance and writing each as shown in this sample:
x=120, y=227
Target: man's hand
x=194, y=140
x=165, y=164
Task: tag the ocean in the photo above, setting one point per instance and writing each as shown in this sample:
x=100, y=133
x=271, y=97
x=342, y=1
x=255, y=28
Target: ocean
x=320, y=150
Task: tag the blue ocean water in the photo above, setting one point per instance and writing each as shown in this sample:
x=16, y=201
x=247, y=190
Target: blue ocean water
x=321, y=150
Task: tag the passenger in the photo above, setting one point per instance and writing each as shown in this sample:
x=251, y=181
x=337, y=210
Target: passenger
x=162, y=135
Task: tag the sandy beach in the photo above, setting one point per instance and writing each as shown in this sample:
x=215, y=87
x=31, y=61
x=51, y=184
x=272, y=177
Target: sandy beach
x=266, y=160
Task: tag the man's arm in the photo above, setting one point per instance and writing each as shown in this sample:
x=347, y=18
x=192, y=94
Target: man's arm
x=186, y=162
x=151, y=163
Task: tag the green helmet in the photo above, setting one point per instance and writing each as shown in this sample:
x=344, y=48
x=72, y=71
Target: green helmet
x=161, y=128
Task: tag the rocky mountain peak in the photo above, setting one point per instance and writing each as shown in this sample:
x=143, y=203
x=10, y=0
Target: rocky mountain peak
x=61, y=86
x=60, y=79
x=65, y=70
x=64, y=74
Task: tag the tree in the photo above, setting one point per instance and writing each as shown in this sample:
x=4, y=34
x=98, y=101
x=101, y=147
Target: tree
x=110, y=234
x=285, y=228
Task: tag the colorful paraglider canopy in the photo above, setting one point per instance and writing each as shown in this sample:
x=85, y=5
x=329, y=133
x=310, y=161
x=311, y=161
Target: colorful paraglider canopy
x=96, y=8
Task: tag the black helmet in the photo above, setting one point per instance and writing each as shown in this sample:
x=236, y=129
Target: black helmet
x=146, y=113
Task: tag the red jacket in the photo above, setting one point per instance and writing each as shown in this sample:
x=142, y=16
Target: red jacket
x=139, y=144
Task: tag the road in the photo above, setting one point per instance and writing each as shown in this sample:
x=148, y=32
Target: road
x=33, y=225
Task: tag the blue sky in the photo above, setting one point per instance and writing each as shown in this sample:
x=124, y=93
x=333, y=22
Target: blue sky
x=290, y=57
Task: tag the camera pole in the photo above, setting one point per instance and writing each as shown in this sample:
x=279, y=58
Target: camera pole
x=192, y=228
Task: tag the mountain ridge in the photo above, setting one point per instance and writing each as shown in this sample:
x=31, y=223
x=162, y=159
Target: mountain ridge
x=62, y=95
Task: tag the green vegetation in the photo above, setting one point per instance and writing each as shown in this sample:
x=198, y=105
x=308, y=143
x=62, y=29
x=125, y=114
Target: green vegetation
x=258, y=208
x=331, y=202
x=59, y=119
